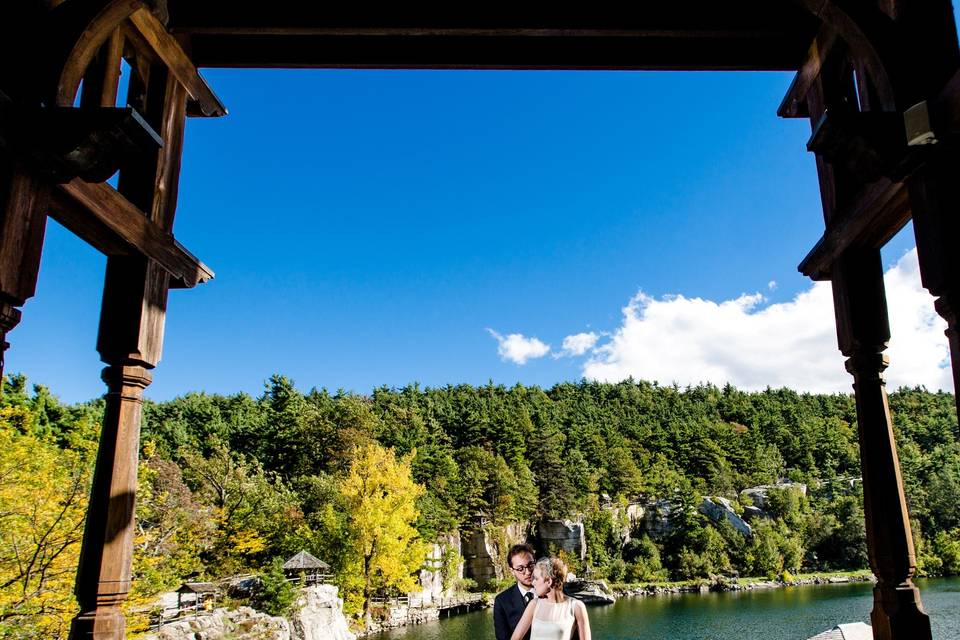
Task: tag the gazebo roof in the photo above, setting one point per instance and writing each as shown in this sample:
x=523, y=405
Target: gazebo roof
x=304, y=560
x=197, y=587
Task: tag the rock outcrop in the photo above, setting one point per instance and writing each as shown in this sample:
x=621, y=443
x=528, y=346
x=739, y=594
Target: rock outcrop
x=432, y=575
x=758, y=495
x=319, y=615
x=484, y=549
x=243, y=623
x=719, y=509
x=590, y=591
x=566, y=535
x=656, y=519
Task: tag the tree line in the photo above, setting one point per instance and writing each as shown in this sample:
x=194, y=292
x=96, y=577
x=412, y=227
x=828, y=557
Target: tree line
x=228, y=483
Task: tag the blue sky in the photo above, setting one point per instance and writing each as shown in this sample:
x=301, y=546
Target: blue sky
x=374, y=227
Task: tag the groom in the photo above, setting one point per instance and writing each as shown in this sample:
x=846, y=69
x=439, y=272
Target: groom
x=509, y=605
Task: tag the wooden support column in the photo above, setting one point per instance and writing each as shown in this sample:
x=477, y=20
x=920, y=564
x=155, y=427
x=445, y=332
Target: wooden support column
x=935, y=202
x=130, y=343
x=856, y=195
x=863, y=333
x=22, y=225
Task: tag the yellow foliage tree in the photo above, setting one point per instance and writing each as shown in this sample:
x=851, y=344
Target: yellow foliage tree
x=43, y=498
x=383, y=548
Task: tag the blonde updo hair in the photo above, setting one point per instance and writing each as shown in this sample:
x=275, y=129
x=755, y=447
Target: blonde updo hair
x=552, y=568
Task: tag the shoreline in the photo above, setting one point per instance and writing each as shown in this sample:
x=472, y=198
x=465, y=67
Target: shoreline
x=643, y=590
x=736, y=584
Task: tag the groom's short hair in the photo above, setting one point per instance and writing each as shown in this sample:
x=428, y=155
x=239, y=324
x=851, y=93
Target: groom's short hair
x=517, y=549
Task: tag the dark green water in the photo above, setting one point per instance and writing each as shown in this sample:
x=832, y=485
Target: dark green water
x=793, y=613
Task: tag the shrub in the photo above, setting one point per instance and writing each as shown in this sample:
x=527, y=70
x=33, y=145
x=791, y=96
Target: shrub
x=275, y=595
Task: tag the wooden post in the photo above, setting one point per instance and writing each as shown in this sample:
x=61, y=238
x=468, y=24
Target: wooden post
x=863, y=333
x=130, y=342
x=22, y=225
x=935, y=202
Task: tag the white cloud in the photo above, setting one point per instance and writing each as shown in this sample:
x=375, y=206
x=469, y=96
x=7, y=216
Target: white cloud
x=772, y=285
x=517, y=348
x=792, y=344
x=579, y=343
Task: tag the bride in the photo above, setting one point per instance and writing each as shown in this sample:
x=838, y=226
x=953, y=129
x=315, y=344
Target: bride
x=552, y=615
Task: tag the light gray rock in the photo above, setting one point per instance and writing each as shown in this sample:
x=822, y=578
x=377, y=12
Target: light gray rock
x=568, y=535
x=243, y=623
x=319, y=615
x=431, y=576
x=484, y=559
x=656, y=521
x=719, y=509
x=627, y=519
x=758, y=495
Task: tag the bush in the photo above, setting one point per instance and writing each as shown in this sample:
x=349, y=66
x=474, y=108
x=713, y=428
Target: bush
x=276, y=595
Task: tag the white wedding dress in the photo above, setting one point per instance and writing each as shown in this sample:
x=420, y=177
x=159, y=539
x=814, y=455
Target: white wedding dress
x=553, y=621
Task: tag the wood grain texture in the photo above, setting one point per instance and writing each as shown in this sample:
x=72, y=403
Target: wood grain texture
x=23, y=220
x=875, y=217
x=113, y=222
x=169, y=50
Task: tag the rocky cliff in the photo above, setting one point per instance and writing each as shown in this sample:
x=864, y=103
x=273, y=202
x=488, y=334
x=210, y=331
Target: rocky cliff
x=318, y=615
x=484, y=548
x=566, y=535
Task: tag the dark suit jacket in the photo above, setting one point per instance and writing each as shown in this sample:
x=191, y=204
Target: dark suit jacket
x=508, y=608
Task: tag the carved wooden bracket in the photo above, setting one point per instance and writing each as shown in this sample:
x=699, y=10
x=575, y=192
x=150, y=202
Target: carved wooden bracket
x=63, y=143
x=869, y=144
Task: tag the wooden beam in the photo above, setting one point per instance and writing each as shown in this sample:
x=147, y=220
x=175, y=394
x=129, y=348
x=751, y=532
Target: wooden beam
x=878, y=213
x=169, y=50
x=794, y=104
x=112, y=224
x=946, y=109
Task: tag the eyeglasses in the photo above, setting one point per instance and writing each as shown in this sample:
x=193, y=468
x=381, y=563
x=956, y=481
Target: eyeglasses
x=524, y=568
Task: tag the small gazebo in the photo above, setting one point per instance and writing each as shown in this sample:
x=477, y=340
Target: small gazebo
x=307, y=567
x=196, y=596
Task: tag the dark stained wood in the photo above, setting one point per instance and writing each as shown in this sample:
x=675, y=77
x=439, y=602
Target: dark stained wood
x=935, y=200
x=62, y=143
x=863, y=333
x=164, y=206
x=22, y=226
x=130, y=342
x=102, y=77
x=750, y=34
x=794, y=104
x=179, y=64
x=104, y=574
x=114, y=222
x=81, y=28
x=875, y=217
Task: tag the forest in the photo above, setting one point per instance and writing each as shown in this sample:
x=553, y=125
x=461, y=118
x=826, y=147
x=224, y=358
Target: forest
x=228, y=484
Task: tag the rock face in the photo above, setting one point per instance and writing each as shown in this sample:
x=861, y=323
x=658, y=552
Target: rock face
x=563, y=534
x=719, y=509
x=238, y=624
x=759, y=494
x=484, y=549
x=656, y=519
x=751, y=512
x=319, y=615
x=590, y=591
x=431, y=577
x=627, y=520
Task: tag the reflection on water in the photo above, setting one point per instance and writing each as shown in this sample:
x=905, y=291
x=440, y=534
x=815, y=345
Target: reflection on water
x=793, y=613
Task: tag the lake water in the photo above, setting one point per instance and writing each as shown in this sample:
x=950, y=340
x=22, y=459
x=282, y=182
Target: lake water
x=792, y=613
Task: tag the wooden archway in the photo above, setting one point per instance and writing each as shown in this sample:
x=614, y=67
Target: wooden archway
x=879, y=81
